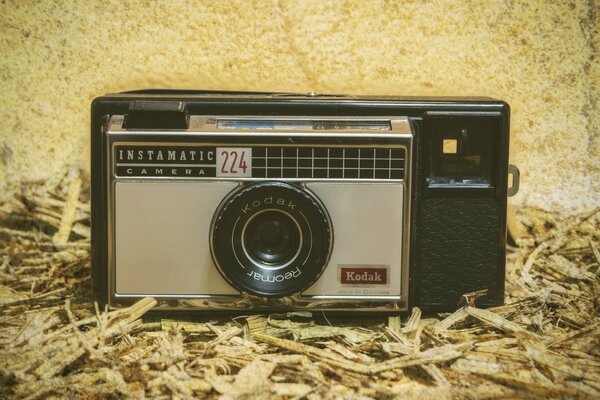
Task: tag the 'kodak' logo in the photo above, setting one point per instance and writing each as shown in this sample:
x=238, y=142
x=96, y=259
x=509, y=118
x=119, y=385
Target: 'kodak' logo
x=371, y=276
x=268, y=201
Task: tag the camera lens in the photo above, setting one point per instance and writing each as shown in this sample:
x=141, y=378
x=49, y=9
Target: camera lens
x=272, y=237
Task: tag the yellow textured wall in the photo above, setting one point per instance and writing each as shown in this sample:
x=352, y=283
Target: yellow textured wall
x=537, y=55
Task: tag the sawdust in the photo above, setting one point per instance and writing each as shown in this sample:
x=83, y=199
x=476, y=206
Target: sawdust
x=55, y=342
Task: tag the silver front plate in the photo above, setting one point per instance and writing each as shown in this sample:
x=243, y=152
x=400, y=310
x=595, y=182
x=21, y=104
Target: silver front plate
x=161, y=238
x=159, y=226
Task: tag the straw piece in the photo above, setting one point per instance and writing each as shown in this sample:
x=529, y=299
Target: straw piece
x=498, y=322
x=68, y=216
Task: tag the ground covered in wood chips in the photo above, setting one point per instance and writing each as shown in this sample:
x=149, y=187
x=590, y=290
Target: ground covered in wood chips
x=55, y=342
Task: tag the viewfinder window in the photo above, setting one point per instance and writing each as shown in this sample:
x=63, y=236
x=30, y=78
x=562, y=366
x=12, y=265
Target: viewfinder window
x=449, y=146
x=460, y=151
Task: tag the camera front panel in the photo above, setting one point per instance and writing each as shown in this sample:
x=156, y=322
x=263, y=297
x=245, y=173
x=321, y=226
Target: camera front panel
x=259, y=213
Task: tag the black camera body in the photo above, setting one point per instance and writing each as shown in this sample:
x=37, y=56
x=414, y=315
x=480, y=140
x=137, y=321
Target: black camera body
x=260, y=202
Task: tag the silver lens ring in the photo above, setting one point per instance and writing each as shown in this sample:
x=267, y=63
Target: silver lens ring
x=264, y=265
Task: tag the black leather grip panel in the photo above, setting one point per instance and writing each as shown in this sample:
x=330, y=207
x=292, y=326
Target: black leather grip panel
x=459, y=252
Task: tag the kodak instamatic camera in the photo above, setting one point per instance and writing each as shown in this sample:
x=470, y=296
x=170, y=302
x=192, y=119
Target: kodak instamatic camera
x=271, y=201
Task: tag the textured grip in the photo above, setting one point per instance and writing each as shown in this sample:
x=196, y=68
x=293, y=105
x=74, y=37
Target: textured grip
x=459, y=251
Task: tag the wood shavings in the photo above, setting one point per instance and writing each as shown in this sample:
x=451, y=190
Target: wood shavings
x=66, y=222
x=394, y=324
x=469, y=299
x=596, y=252
x=544, y=342
x=497, y=321
x=185, y=326
x=304, y=331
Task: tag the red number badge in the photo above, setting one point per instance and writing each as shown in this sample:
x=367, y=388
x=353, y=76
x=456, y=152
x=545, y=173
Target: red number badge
x=234, y=162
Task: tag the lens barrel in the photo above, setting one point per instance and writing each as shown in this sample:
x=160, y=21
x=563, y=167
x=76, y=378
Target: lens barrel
x=271, y=239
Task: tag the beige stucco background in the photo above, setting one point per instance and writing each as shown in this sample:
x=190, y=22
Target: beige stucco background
x=55, y=57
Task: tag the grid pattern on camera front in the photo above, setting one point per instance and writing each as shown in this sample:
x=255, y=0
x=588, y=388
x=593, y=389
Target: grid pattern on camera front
x=328, y=162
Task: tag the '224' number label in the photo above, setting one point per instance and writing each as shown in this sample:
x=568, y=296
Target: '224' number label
x=234, y=162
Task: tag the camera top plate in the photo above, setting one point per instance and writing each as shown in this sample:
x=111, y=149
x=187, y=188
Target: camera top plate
x=291, y=148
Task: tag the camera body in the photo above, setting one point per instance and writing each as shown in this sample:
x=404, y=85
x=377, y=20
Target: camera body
x=271, y=201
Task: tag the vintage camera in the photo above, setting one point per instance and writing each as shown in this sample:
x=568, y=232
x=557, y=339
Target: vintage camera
x=272, y=201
